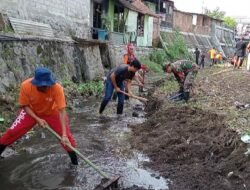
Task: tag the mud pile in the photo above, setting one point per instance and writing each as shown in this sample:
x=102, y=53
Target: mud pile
x=194, y=149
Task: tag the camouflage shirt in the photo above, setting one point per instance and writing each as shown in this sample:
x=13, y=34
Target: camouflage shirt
x=184, y=66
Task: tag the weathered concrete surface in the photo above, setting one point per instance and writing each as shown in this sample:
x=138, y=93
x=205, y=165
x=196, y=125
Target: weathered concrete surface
x=66, y=17
x=19, y=58
x=223, y=43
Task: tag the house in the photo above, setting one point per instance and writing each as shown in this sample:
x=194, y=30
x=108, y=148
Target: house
x=194, y=22
x=125, y=20
x=163, y=8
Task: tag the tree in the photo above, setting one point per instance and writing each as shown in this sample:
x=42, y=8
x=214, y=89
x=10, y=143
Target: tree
x=216, y=13
x=230, y=22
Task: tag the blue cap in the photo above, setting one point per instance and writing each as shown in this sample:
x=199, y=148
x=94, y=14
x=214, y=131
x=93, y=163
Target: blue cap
x=43, y=77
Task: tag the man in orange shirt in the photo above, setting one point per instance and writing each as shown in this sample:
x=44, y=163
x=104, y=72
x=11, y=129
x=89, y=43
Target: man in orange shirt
x=219, y=58
x=212, y=53
x=42, y=102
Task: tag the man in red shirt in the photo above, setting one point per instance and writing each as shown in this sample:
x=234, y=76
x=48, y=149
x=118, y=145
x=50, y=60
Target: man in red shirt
x=42, y=102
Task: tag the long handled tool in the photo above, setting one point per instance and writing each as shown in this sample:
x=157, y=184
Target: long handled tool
x=108, y=182
x=175, y=96
x=135, y=97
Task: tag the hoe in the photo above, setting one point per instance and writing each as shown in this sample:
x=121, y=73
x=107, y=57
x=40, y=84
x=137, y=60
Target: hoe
x=108, y=183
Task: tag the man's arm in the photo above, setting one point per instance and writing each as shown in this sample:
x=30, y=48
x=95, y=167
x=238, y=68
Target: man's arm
x=40, y=121
x=117, y=89
x=62, y=116
x=129, y=82
x=248, y=47
x=138, y=78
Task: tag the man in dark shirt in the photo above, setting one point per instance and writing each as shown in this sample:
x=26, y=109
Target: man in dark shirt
x=115, y=80
x=240, y=52
x=202, y=63
x=197, y=56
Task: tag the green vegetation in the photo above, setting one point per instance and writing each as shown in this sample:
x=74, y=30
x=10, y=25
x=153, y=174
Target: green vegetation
x=153, y=66
x=39, y=50
x=7, y=52
x=154, y=60
x=91, y=88
x=106, y=22
x=158, y=56
x=9, y=107
x=86, y=89
x=218, y=14
x=230, y=22
x=169, y=86
x=177, y=49
x=174, y=51
x=7, y=29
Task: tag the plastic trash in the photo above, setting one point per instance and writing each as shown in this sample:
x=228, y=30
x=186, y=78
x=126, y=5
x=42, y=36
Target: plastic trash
x=245, y=138
x=247, y=152
x=43, y=136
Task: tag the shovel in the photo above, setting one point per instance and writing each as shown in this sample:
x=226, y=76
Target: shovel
x=108, y=183
x=175, y=96
x=135, y=97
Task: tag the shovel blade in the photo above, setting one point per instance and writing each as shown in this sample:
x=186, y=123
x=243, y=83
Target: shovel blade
x=108, y=184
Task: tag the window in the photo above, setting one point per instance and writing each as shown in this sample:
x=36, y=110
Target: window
x=97, y=12
x=194, y=20
x=119, y=21
x=205, y=21
x=163, y=7
x=170, y=10
x=140, y=24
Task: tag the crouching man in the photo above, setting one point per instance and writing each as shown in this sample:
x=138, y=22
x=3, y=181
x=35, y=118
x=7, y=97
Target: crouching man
x=42, y=102
x=184, y=72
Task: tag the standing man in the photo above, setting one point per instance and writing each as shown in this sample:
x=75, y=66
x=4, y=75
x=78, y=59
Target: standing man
x=115, y=80
x=42, y=102
x=184, y=72
x=212, y=53
x=197, y=56
x=202, y=63
x=240, y=52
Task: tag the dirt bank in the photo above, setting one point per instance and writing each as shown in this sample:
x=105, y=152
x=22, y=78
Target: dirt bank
x=192, y=144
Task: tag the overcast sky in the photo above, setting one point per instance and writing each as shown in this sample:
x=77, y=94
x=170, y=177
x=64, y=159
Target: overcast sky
x=232, y=8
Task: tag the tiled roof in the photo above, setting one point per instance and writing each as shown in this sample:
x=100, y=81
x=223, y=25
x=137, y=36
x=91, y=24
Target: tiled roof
x=138, y=6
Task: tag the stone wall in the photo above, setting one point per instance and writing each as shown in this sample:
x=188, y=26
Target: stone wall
x=19, y=58
x=117, y=51
x=221, y=38
x=66, y=17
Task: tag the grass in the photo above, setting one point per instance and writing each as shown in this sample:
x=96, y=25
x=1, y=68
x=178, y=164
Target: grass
x=86, y=89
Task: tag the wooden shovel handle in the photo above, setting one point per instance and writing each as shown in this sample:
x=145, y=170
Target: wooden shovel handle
x=135, y=97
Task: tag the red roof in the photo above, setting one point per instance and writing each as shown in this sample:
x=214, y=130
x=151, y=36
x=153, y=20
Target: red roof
x=138, y=6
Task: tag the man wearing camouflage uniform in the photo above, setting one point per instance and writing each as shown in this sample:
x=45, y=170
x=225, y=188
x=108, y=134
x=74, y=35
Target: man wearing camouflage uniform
x=184, y=72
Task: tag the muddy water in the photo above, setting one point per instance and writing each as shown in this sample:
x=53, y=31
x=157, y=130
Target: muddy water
x=43, y=164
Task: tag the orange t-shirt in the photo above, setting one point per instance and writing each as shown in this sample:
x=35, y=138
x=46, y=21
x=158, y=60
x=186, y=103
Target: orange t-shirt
x=219, y=57
x=42, y=103
x=212, y=53
x=127, y=59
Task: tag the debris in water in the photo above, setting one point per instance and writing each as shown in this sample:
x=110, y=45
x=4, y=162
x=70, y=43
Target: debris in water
x=245, y=138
